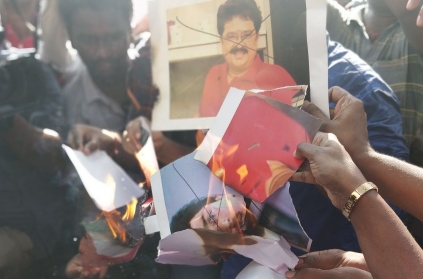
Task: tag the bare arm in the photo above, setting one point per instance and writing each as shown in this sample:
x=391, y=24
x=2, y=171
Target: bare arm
x=171, y=151
x=389, y=249
x=54, y=36
x=398, y=181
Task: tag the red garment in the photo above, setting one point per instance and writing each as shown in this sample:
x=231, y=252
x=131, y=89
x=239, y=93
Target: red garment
x=15, y=41
x=260, y=76
x=246, y=151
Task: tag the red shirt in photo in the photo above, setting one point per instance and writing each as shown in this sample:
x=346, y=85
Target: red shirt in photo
x=260, y=76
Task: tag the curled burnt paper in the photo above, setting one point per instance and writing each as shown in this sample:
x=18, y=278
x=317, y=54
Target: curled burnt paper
x=114, y=238
x=251, y=144
x=202, y=247
x=201, y=219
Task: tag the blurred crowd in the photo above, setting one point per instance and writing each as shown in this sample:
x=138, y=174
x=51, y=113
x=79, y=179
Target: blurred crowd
x=78, y=72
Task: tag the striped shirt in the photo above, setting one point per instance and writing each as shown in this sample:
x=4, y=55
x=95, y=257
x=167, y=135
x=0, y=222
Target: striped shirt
x=390, y=55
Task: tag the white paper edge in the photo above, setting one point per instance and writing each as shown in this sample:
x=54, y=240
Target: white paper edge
x=81, y=168
x=255, y=270
x=223, y=119
x=159, y=204
x=318, y=53
x=151, y=224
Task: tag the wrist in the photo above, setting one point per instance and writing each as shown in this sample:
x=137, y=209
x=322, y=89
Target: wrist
x=361, y=158
x=361, y=191
x=363, y=205
x=347, y=188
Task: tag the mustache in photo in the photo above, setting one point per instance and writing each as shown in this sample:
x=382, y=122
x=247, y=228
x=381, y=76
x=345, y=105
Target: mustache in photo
x=234, y=50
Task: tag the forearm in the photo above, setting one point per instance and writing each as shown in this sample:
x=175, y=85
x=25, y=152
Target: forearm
x=171, y=151
x=33, y=146
x=388, y=247
x=398, y=181
x=54, y=36
x=128, y=161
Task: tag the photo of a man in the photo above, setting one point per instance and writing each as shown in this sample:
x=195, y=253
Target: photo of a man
x=203, y=48
x=238, y=25
x=200, y=218
x=224, y=213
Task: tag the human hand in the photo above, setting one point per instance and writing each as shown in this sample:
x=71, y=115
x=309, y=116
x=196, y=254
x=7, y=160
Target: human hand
x=336, y=273
x=135, y=135
x=413, y=4
x=331, y=264
x=330, y=167
x=89, y=138
x=333, y=258
x=75, y=270
x=348, y=121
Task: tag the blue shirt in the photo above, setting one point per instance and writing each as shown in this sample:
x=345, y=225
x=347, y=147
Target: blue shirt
x=320, y=219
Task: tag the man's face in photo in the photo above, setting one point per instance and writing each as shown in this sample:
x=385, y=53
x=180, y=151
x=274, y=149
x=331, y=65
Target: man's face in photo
x=239, y=44
x=226, y=213
x=102, y=39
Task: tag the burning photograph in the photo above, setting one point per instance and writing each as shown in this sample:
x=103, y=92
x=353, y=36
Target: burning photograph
x=251, y=145
x=113, y=205
x=189, y=197
x=203, y=48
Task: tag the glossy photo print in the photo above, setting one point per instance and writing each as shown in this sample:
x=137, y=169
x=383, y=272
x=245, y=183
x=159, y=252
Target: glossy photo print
x=202, y=48
x=252, y=142
x=201, y=219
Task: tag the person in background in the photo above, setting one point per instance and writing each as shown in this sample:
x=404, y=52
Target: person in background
x=32, y=193
x=19, y=18
x=108, y=89
x=387, y=35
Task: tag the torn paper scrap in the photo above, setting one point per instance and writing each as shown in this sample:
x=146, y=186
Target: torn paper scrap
x=106, y=182
x=251, y=144
x=147, y=155
x=201, y=247
x=188, y=196
x=255, y=270
x=278, y=214
x=99, y=247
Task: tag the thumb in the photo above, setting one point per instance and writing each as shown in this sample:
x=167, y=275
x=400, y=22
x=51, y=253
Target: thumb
x=313, y=110
x=336, y=273
x=303, y=176
x=304, y=150
x=412, y=4
x=90, y=147
x=327, y=259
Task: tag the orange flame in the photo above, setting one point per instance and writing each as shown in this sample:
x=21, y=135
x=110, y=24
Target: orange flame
x=130, y=210
x=221, y=153
x=117, y=223
x=242, y=172
x=216, y=165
